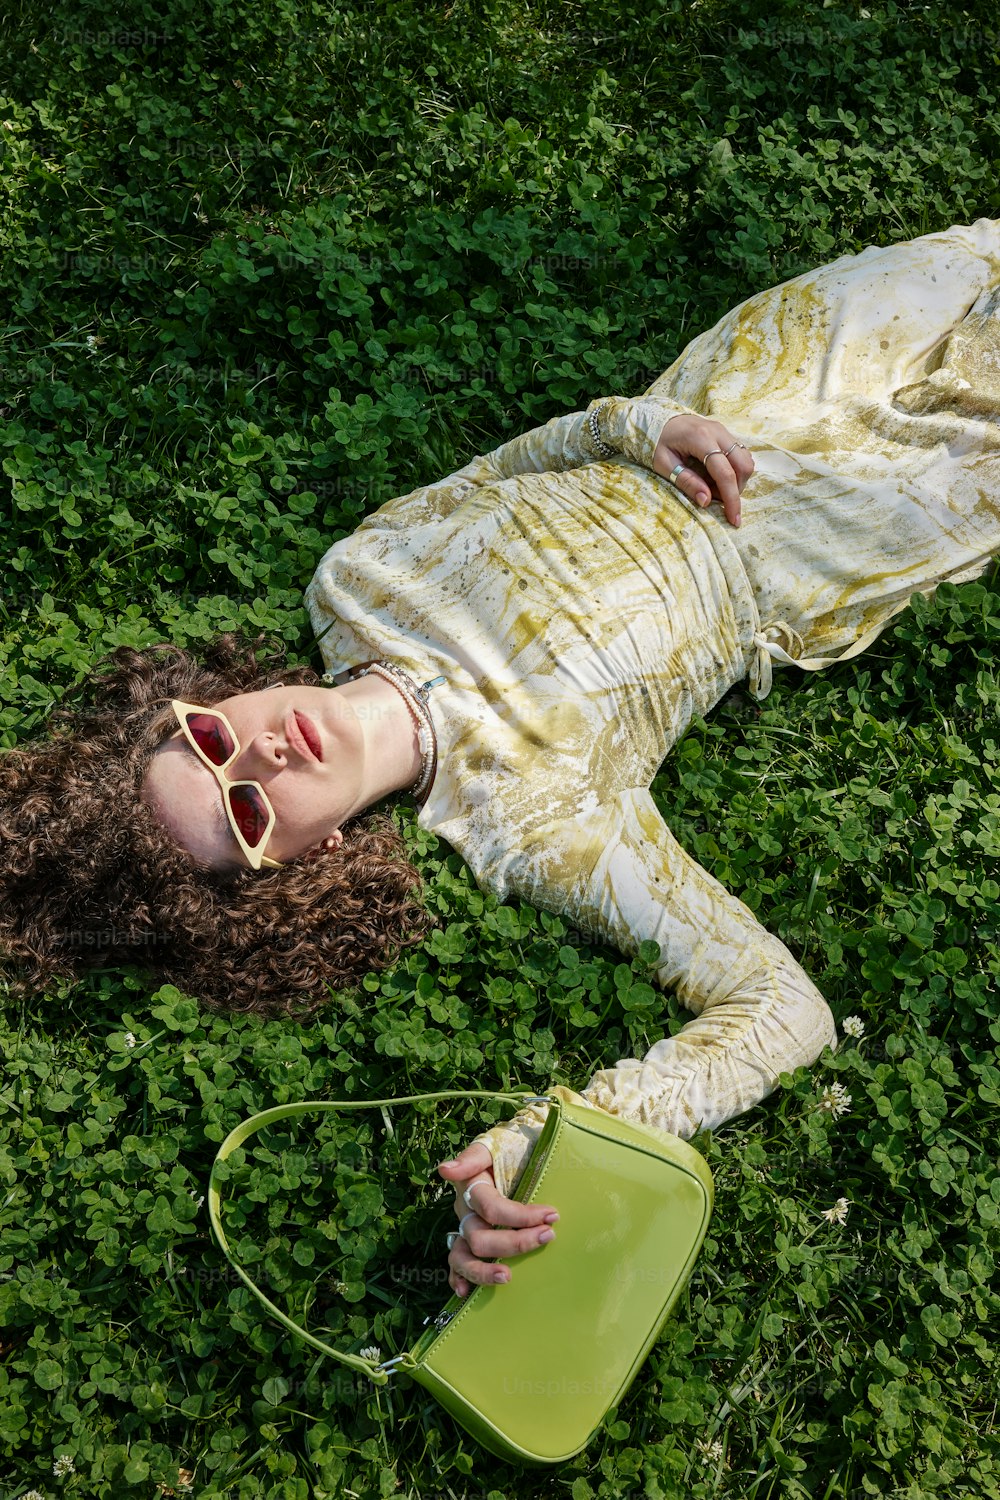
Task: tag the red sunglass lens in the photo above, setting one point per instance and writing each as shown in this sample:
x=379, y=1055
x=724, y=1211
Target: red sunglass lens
x=250, y=812
x=212, y=737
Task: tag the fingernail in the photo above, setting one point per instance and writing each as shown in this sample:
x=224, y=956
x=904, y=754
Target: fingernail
x=704, y=499
x=552, y=1218
x=500, y=1278
x=445, y=1164
x=737, y=521
x=546, y=1236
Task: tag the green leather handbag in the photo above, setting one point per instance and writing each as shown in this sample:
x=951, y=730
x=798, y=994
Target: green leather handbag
x=531, y=1368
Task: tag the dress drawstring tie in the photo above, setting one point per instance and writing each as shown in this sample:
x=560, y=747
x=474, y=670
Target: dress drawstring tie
x=777, y=641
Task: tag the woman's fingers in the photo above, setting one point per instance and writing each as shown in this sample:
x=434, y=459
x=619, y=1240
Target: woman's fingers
x=742, y=461
x=490, y=1225
x=715, y=476
x=726, y=483
x=468, y=1163
x=704, y=461
x=493, y=1208
x=465, y=1271
x=729, y=468
x=689, y=483
x=471, y=1174
x=484, y=1242
x=470, y=1256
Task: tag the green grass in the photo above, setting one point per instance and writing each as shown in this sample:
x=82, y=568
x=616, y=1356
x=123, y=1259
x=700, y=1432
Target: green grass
x=263, y=267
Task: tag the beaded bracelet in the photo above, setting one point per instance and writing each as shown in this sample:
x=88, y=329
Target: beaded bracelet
x=604, y=449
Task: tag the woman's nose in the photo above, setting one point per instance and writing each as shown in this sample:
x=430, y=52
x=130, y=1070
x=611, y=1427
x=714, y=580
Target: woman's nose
x=267, y=751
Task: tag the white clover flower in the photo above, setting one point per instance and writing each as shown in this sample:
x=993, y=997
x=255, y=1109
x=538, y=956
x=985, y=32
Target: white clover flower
x=184, y=1482
x=838, y=1213
x=373, y=1352
x=63, y=1465
x=854, y=1026
x=198, y=1201
x=130, y=1040
x=834, y=1100
x=32, y=1495
x=712, y=1451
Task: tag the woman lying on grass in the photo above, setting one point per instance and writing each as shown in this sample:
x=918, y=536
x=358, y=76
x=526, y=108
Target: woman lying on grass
x=519, y=646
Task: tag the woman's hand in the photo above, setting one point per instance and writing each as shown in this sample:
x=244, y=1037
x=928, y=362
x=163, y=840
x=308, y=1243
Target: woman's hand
x=491, y=1225
x=716, y=465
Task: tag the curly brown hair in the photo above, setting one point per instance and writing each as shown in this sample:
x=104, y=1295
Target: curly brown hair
x=88, y=877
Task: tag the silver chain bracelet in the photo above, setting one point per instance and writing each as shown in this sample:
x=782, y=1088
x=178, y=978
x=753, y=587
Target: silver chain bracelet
x=604, y=449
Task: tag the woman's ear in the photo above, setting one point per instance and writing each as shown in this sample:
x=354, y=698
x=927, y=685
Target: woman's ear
x=326, y=846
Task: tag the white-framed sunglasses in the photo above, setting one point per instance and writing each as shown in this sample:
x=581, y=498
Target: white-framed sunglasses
x=250, y=814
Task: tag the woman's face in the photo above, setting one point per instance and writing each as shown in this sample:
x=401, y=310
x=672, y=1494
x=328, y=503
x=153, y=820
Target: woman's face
x=304, y=745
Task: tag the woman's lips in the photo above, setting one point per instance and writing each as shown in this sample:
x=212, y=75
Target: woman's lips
x=303, y=735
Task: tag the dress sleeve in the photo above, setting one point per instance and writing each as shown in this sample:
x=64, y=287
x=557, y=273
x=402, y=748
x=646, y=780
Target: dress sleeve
x=757, y=1014
x=630, y=427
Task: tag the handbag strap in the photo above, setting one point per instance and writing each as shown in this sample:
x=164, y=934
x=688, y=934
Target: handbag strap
x=251, y=1126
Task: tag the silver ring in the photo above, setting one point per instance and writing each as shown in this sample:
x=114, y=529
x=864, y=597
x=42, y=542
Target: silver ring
x=452, y=1237
x=467, y=1195
x=711, y=454
x=462, y=1223
x=731, y=447
x=672, y=476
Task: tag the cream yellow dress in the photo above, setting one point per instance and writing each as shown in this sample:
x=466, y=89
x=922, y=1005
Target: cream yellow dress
x=581, y=612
